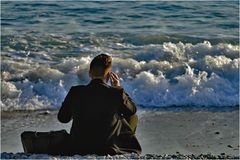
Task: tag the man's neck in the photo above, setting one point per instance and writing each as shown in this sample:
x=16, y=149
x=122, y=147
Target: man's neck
x=101, y=78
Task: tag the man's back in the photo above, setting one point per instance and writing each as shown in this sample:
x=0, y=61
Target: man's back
x=97, y=111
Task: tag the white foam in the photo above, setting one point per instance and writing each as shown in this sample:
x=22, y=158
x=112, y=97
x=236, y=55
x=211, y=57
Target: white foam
x=153, y=75
x=190, y=90
x=9, y=90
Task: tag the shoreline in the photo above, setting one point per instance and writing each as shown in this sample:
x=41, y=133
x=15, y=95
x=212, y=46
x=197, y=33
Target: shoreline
x=159, y=132
x=173, y=108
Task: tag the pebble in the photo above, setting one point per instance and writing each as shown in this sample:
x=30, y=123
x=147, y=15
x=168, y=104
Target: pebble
x=44, y=113
x=230, y=146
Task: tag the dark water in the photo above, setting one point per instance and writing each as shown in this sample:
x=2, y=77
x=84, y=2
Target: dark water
x=202, y=19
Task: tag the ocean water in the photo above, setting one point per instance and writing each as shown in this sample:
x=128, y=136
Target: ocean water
x=183, y=54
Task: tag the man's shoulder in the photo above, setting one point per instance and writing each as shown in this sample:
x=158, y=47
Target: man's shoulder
x=77, y=87
x=116, y=88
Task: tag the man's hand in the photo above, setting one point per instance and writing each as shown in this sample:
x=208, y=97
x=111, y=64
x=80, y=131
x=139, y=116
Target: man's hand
x=114, y=79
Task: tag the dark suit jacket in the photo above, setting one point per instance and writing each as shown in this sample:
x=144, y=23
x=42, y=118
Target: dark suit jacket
x=99, y=126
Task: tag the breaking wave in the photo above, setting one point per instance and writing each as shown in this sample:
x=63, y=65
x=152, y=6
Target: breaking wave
x=154, y=75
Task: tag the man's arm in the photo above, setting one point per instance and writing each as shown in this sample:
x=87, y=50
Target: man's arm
x=65, y=112
x=128, y=107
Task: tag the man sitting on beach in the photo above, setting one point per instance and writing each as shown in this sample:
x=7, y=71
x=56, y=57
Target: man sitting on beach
x=104, y=119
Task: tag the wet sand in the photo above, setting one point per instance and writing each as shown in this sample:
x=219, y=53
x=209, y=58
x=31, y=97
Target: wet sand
x=159, y=132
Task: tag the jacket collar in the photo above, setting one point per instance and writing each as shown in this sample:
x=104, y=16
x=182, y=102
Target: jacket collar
x=97, y=81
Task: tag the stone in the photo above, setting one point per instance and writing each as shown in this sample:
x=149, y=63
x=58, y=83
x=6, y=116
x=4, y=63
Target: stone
x=229, y=146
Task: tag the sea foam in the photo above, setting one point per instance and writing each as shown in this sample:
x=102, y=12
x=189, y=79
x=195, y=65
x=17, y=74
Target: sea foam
x=154, y=75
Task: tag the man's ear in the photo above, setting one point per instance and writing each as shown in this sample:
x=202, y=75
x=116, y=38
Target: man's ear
x=109, y=73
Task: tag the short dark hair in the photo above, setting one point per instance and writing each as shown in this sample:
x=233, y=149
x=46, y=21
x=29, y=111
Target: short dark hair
x=101, y=64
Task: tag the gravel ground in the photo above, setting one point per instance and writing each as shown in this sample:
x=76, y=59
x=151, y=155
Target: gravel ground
x=19, y=155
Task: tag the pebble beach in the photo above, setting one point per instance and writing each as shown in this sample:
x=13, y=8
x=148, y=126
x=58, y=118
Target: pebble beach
x=162, y=134
x=128, y=156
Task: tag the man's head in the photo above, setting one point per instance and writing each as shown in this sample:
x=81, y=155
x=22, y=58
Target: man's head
x=100, y=67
